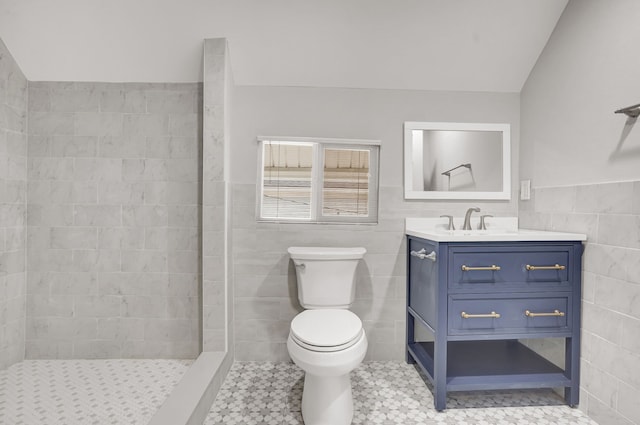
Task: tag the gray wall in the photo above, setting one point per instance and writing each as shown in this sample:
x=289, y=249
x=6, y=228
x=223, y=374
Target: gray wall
x=13, y=191
x=113, y=216
x=264, y=279
x=588, y=70
x=575, y=149
x=217, y=301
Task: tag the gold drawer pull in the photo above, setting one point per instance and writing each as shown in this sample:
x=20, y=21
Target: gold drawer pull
x=492, y=315
x=492, y=268
x=554, y=267
x=556, y=313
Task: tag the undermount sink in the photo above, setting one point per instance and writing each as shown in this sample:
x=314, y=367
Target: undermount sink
x=499, y=229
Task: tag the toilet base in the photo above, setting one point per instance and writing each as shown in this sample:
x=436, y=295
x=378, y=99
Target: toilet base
x=327, y=400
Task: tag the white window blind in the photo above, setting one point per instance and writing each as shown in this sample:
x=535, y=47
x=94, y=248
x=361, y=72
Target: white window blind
x=287, y=178
x=345, y=183
x=318, y=180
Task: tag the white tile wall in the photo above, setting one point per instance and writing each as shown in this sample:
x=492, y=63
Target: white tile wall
x=13, y=196
x=265, y=284
x=113, y=257
x=609, y=215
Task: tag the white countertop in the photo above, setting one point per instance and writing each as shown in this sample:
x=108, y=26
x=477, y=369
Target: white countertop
x=499, y=229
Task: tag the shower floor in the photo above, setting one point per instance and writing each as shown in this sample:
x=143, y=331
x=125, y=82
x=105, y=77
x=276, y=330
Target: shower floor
x=82, y=392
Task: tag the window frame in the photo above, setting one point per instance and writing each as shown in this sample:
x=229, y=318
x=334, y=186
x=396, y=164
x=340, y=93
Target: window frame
x=317, y=181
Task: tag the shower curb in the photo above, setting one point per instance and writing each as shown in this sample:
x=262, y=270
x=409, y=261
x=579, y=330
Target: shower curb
x=191, y=399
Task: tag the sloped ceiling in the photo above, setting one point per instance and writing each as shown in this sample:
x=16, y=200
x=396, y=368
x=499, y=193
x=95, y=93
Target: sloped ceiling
x=470, y=45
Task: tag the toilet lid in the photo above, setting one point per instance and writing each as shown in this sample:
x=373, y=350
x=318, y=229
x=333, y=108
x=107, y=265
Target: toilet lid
x=326, y=329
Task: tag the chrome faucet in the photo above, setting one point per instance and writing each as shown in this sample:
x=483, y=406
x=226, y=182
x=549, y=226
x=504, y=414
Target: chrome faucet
x=467, y=218
x=450, y=226
x=483, y=225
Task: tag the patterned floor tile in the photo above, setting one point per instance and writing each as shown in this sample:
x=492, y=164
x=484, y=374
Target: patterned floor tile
x=83, y=392
x=385, y=393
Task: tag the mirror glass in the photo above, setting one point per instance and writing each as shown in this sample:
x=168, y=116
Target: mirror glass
x=457, y=161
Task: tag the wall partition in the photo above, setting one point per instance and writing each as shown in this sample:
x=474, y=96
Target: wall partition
x=13, y=196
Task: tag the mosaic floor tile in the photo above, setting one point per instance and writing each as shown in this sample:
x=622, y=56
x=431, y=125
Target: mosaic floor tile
x=385, y=393
x=83, y=392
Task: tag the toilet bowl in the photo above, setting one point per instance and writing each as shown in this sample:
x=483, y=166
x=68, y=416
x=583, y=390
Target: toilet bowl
x=326, y=340
x=327, y=345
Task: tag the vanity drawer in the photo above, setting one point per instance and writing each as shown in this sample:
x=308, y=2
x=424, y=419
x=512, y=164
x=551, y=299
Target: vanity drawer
x=519, y=315
x=509, y=266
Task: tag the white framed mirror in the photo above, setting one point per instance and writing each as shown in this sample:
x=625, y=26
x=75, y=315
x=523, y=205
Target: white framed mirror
x=448, y=160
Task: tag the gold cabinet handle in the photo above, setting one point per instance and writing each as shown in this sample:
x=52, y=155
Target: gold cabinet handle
x=554, y=267
x=492, y=315
x=492, y=268
x=555, y=313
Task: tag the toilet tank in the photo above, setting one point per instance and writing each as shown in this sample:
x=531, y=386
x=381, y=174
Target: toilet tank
x=326, y=275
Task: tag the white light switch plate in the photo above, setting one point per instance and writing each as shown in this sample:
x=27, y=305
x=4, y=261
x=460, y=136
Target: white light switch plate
x=525, y=190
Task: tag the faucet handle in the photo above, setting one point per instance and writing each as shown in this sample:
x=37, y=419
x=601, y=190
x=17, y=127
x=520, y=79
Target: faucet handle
x=482, y=225
x=450, y=226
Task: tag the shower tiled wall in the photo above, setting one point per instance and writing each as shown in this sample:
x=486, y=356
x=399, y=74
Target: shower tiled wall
x=609, y=214
x=113, y=216
x=13, y=190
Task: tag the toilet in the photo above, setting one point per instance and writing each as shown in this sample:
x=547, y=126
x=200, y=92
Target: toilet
x=326, y=340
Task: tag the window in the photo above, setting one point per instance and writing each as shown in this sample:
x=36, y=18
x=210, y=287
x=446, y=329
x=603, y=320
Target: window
x=318, y=180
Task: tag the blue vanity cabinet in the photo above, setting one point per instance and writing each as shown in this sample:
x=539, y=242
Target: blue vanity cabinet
x=479, y=300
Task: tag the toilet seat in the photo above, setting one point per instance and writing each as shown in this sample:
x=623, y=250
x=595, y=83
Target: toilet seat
x=326, y=330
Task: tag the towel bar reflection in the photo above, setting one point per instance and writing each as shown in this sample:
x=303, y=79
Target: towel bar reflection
x=448, y=172
x=632, y=111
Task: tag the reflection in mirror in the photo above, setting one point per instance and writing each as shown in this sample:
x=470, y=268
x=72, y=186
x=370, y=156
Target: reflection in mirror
x=457, y=161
